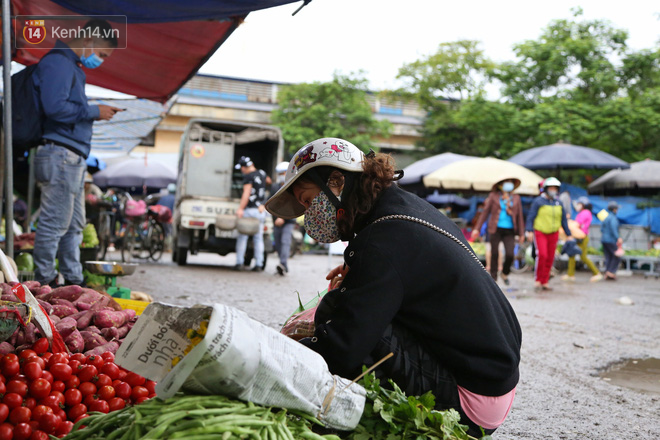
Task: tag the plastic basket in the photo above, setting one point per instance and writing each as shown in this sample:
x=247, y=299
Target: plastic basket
x=138, y=306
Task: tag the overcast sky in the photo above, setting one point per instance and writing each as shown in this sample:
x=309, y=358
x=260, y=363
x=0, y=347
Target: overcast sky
x=379, y=36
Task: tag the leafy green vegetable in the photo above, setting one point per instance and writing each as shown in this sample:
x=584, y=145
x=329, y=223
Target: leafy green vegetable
x=391, y=415
x=89, y=237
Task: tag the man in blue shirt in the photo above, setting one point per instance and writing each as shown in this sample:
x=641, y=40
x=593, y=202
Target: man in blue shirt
x=611, y=241
x=59, y=163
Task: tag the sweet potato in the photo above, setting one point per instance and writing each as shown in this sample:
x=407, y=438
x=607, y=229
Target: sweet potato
x=54, y=319
x=88, y=296
x=109, y=318
x=92, y=340
x=63, y=311
x=9, y=297
x=6, y=348
x=20, y=337
x=94, y=329
x=43, y=290
x=85, y=319
x=111, y=346
x=84, y=306
x=30, y=334
x=32, y=284
x=46, y=306
x=75, y=342
x=62, y=302
x=123, y=331
x=6, y=289
x=110, y=333
x=70, y=293
x=66, y=326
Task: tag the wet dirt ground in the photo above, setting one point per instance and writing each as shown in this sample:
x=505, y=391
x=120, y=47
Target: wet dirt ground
x=570, y=336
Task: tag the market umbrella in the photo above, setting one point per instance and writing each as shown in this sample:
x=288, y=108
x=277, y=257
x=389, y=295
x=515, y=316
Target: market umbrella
x=415, y=172
x=135, y=173
x=566, y=156
x=642, y=178
x=480, y=174
x=454, y=200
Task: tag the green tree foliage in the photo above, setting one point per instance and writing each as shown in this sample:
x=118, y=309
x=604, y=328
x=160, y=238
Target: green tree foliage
x=578, y=83
x=338, y=108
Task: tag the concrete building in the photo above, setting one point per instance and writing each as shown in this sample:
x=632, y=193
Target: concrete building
x=246, y=100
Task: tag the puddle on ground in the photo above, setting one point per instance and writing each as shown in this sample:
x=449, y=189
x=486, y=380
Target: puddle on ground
x=636, y=374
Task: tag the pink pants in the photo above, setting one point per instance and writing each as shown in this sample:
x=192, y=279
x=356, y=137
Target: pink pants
x=546, y=244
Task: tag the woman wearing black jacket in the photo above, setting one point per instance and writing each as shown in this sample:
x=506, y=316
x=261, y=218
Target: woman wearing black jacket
x=410, y=285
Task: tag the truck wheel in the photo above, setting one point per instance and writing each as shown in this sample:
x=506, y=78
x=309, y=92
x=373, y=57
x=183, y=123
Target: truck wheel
x=181, y=255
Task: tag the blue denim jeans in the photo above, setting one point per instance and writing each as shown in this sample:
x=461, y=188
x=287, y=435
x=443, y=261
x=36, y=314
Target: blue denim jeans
x=282, y=238
x=59, y=173
x=257, y=239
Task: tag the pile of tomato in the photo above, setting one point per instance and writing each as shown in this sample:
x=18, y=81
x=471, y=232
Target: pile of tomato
x=44, y=394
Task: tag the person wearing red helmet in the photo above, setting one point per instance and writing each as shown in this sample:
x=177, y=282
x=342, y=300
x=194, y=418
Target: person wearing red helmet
x=410, y=285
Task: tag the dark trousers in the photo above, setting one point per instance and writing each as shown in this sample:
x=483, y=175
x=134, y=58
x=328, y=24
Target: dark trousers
x=416, y=371
x=611, y=260
x=508, y=238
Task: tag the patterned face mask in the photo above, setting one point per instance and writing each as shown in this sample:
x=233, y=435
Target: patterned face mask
x=321, y=220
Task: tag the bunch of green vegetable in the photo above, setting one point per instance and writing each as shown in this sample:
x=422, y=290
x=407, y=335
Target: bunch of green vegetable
x=89, y=239
x=388, y=415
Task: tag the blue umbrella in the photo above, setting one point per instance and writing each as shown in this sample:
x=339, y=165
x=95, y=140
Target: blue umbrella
x=566, y=156
x=415, y=172
x=447, y=199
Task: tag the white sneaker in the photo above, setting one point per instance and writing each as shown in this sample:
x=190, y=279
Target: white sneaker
x=568, y=278
x=596, y=278
x=111, y=248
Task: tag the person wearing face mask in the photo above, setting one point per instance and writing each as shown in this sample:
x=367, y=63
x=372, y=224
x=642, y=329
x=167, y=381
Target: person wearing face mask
x=59, y=162
x=583, y=219
x=545, y=217
x=282, y=228
x=410, y=285
x=506, y=224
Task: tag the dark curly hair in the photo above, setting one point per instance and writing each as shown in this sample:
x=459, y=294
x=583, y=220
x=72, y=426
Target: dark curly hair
x=377, y=175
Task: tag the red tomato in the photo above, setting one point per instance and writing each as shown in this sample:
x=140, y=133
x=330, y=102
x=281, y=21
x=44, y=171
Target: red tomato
x=33, y=424
x=151, y=386
x=58, y=358
x=38, y=434
x=60, y=413
x=72, y=396
x=61, y=371
x=103, y=380
x=75, y=365
x=138, y=392
x=4, y=412
x=49, y=423
x=38, y=360
x=64, y=429
x=10, y=365
x=48, y=376
x=134, y=379
x=106, y=393
x=87, y=388
x=89, y=399
x=46, y=356
x=87, y=373
x=72, y=383
x=84, y=416
x=26, y=354
x=95, y=360
x=12, y=400
x=18, y=387
x=22, y=431
x=6, y=431
x=39, y=411
x=3, y=388
x=140, y=400
x=116, y=382
x=59, y=396
x=30, y=402
x=41, y=346
x=40, y=388
x=110, y=369
x=108, y=356
x=52, y=401
x=58, y=385
x=77, y=411
x=79, y=357
x=20, y=415
x=123, y=390
x=122, y=374
x=100, y=406
x=116, y=403
x=33, y=370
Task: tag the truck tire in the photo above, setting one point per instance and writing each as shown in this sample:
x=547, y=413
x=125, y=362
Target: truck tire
x=181, y=255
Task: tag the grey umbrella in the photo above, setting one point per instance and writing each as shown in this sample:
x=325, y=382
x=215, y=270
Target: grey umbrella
x=566, y=156
x=642, y=178
x=135, y=173
x=415, y=172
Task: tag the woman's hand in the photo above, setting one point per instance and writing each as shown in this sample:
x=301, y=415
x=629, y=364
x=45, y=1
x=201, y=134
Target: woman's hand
x=530, y=236
x=337, y=275
x=475, y=234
